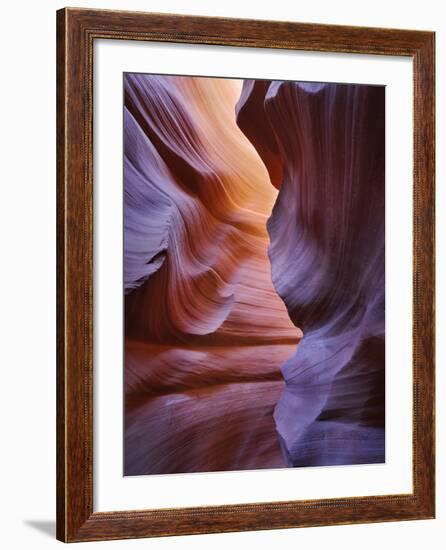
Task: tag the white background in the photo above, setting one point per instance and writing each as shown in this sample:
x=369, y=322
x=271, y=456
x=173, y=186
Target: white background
x=28, y=275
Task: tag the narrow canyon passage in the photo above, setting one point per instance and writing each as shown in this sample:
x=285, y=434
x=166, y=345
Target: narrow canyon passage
x=205, y=330
x=253, y=208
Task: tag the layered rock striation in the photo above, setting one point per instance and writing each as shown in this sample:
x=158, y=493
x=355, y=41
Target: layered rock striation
x=205, y=331
x=327, y=258
x=254, y=214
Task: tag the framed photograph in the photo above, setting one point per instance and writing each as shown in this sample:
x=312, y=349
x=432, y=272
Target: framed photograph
x=245, y=275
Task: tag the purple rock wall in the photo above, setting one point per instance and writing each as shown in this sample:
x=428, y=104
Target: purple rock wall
x=327, y=258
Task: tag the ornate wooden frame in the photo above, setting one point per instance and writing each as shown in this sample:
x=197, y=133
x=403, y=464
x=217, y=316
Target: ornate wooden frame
x=76, y=31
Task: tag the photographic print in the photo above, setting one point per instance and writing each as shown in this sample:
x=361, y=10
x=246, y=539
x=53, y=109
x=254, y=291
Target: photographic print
x=254, y=274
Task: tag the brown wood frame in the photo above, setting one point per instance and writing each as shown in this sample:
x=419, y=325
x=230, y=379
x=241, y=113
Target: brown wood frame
x=76, y=31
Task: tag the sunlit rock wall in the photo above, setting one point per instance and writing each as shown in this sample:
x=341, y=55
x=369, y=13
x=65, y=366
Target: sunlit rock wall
x=205, y=330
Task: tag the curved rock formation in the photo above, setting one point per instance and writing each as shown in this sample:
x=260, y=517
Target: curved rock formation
x=327, y=257
x=201, y=312
x=212, y=315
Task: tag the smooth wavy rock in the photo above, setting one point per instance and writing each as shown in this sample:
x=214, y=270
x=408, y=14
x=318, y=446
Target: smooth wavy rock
x=201, y=312
x=327, y=257
x=202, y=408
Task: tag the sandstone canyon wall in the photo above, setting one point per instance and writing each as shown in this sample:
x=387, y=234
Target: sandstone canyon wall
x=254, y=213
x=327, y=258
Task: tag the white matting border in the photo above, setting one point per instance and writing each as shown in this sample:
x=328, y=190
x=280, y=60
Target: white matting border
x=112, y=491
